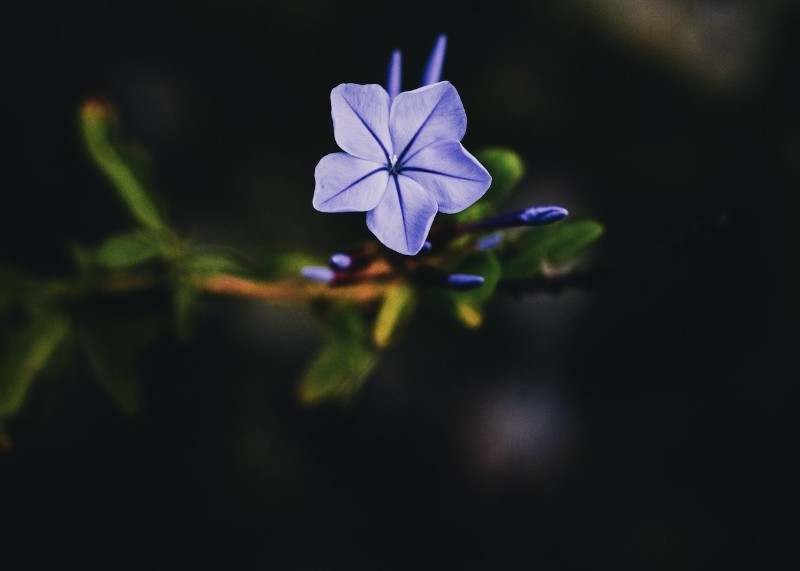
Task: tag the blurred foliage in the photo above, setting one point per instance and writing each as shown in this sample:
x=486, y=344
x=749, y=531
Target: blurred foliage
x=397, y=307
x=549, y=245
x=507, y=169
x=365, y=311
x=346, y=358
x=27, y=356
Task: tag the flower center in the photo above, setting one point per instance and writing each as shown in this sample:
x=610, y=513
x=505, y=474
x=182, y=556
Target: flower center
x=394, y=168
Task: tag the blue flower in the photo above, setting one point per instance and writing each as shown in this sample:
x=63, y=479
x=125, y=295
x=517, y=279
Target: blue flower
x=403, y=161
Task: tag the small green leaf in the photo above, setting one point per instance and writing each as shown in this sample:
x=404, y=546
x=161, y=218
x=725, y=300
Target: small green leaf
x=112, y=348
x=554, y=244
x=288, y=264
x=209, y=264
x=396, y=310
x=478, y=211
x=470, y=315
x=96, y=120
x=126, y=250
x=571, y=239
x=526, y=255
x=28, y=354
x=344, y=362
x=507, y=169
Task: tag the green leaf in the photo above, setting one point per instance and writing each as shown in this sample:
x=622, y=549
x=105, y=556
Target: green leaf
x=209, y=264
x=28, y=354
x=571, y=239
x=396, y=310
x=555, y=244
x=288, y=264
x=96, y=120
x=478, y=211
x=467, y=306
x=344, y=362
x=112, y=348
x=126, y=250
x=507, y=169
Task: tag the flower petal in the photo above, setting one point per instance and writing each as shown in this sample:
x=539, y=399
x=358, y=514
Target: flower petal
x=348, y=184
x=393, y=79
x=403, y=218
x=451, y=173
x=424, y=116
x=361, y=120
x=433, y=69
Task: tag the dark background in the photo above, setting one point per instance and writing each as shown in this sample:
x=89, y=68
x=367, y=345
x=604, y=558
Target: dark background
x=647, y=422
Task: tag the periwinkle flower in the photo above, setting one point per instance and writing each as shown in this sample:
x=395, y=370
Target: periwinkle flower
x=403, y=160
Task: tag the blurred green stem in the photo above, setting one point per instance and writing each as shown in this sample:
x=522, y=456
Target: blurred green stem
x=96, y=119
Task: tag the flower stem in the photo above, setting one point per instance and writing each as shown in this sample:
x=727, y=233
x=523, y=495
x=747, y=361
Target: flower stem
x=287, y=289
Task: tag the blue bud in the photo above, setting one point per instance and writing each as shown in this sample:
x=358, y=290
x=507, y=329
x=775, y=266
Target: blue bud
x=426, y=246
x=318, y=273
x=433, y=69
x=341, y=261
x=533, y=216
x=393, y=77
x=489, y=242
x=464, y=281
x=540, y=215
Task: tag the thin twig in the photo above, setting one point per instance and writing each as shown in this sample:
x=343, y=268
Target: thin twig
x=287, y=290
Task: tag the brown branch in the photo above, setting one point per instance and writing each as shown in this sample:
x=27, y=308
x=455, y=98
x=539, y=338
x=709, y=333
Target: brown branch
x=287, y=289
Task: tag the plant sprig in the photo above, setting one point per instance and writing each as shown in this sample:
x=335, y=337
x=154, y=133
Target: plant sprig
x=365, y=299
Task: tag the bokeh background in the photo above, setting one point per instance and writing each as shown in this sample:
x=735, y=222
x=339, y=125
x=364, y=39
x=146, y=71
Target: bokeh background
x=646, y=422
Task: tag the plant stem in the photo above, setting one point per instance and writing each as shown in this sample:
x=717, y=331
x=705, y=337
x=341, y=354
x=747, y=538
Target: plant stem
x=287, y=289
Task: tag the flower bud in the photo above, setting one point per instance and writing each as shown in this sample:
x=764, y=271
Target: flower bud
x=318, y=273
x=464, y=281
x=341, y=261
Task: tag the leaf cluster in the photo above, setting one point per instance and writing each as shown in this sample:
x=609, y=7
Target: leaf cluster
x=350, y=354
